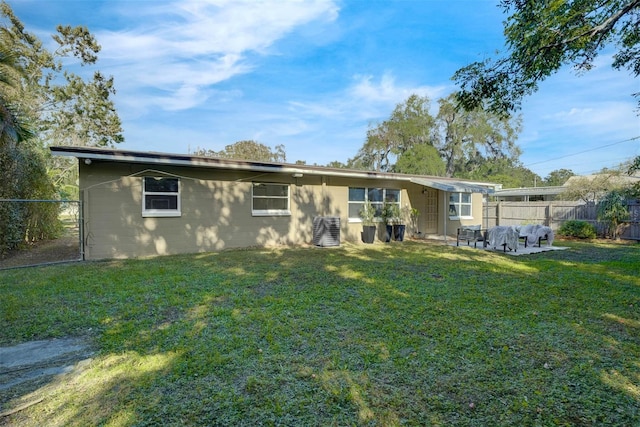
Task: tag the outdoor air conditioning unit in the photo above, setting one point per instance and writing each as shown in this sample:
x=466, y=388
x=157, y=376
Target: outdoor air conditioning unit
x=326, y=231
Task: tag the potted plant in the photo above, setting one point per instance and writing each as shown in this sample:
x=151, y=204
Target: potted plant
x=388, y=216
x=368, y=214
x=413, y=219
x=398, y=222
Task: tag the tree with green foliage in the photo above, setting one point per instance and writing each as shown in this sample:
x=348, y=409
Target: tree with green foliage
x=511, y=174
x=60, y=108
x=470, y=141
x=335, y=164
x=633, y=168
x=613, y=210
x=544, y=35
x=421, y=159
x=409, y=125
x=247, y=150
x=13, y=129
x=63, y=107
x=23, y=174
x=558, y=177
x=66, y=109
x=591, y=188
x=455, y=143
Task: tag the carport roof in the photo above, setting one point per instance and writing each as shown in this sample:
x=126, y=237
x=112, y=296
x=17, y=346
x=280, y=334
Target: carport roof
x=452, y=186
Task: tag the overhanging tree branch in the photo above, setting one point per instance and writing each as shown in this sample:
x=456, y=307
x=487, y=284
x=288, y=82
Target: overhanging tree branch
x=542, y=37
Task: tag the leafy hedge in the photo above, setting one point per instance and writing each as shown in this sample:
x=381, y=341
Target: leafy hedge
x=23, y=175
x=577, y=229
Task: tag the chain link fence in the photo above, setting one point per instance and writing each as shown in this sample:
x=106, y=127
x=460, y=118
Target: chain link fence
x=36, y=232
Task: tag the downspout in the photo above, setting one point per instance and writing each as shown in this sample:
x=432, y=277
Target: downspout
x=325, y=208
x=81, y=228
x=445, y=209
x=485, y=202
x=83, y=199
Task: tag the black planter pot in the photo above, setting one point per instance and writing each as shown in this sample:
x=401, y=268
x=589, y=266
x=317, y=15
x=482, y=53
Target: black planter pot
x=398, y=232
x=389, y=233
x=368, y=233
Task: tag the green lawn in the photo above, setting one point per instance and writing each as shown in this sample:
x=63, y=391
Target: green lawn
x=384, y=334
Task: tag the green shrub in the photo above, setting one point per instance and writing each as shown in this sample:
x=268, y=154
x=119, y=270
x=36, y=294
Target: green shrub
x=23, y=176
x=11, y=226
x=578, y=229
x=613, y=210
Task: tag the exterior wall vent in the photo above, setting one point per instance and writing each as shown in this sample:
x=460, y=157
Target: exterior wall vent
x=326, y=231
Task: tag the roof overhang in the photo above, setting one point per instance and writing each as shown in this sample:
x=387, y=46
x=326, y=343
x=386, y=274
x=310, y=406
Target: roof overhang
x=153, y=158
x=168, y=159
x=452, y=186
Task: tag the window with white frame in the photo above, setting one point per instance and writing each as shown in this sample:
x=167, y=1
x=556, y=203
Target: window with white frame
x=160, y=196
x=270, y=199
x=460, y=205
x=358, y=196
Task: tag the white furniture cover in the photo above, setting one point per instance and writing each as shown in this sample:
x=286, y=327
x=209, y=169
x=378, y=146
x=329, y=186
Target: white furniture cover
x=533, y=232
x=503, y=235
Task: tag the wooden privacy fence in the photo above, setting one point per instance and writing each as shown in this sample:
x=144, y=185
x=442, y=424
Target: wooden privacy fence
x=555, y=213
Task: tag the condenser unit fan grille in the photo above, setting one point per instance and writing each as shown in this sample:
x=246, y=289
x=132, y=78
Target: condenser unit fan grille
x=326, y=231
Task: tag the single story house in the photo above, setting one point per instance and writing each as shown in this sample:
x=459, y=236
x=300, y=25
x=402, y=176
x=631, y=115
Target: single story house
x=140, y=204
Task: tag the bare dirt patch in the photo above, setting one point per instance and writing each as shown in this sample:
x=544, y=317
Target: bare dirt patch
x=66, y=248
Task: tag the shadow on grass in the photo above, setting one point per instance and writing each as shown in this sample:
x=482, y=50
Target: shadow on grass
x=389, y=334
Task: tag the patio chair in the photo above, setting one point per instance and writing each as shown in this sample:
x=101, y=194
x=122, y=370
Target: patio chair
x=504, y=236
x=535, y=233
x=470, y=233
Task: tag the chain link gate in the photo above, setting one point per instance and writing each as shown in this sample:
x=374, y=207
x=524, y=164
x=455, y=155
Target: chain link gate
x=38, y=232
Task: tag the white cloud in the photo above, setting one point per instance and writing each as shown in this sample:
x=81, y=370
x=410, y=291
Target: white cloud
x=386, y=91
x=593, y=118
x=183, y=47
x=574, y=112
x=239, y=26
x=366, y=99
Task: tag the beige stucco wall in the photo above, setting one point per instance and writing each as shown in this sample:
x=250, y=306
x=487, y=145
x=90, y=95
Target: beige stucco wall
x=452, y=225
x=216, y=210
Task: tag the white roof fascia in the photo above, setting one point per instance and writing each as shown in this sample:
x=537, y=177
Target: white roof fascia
x=452, y=186
x=215, y=163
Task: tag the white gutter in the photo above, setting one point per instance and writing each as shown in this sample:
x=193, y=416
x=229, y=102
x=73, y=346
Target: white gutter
x=219, y=164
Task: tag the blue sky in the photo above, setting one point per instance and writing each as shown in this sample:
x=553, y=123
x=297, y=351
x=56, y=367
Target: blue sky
x=313, y=75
